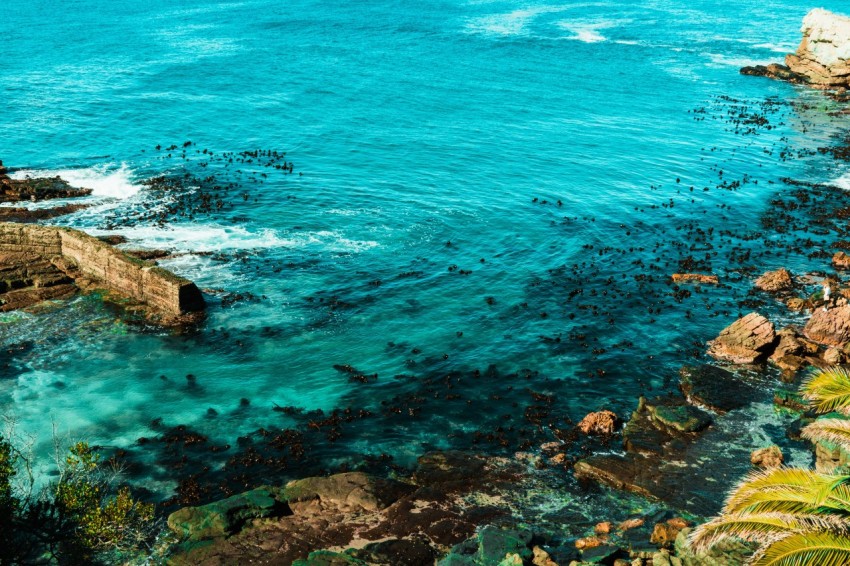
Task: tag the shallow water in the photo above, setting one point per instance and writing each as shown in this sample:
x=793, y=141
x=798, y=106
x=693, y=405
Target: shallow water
x=420, y=136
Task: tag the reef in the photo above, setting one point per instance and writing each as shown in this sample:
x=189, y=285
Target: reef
x=822, y=59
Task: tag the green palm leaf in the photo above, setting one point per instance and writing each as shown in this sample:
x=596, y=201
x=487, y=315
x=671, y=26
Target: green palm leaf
x=787, y=490
x=836, y=431
x=762, y=528
x=827, y=389
x=806, y=549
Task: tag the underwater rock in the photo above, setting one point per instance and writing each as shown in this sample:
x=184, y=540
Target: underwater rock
x=715, y=388
x=770, y=457
x=775, y=281
x=745, y=341
x=823, y=56
x=830, y=327
x=602, y=422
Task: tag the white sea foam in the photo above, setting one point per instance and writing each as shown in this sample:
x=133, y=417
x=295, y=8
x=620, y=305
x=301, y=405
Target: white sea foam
x=777, y=47
x=107, y=180
x=588, y=31
x=214, y=238
x=843, y=182
x=721, y=60
x=511, y=23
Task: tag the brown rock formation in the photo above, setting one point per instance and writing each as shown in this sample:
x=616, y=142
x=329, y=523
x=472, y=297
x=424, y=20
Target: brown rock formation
x=823, y=56
x=12, y=190
x=770, y=457
x=775, y=281
x=694, y=278
x=830, y=327
x=745, y=341
x=167, y=298
x=841, y=261
x=602, y=422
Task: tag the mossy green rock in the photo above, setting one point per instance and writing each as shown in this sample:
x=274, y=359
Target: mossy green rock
x=492, y=546
x=684, y=418
x=224, y=517
x=328, y=558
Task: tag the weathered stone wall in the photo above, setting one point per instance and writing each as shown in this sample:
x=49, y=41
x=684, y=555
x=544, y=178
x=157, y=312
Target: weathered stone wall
x=137, y=279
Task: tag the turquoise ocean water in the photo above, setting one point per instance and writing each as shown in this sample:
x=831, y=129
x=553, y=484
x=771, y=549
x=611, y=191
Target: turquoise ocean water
x=407, y=241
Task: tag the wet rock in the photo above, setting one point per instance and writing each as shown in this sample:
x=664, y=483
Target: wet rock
x=770, y=457
x=541, y=558
x=745, y=341
x=491, y=545
x=774, y=71
x=694, y=278
x=830, y=327
x=589, y=542
x=664, y=534
x=604, y=554
x=822, y=56
x=841, y=261
x=396, y=552
x=602, y=422
x=36, y=189
x=684, y=418
x=790, y=399
x=715, y=388
x=8, y=214
x=225, y=517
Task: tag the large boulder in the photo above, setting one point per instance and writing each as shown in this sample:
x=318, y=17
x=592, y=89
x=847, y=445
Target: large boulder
x=775, y=281
x=352, y=490
x=823, y=56
x=745, y=341
x=227, y=516
x=830, y=327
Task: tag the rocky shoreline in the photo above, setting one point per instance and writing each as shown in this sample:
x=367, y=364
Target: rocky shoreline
x=41, y=263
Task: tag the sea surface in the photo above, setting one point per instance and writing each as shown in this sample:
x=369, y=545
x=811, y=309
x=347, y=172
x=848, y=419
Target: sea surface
x=485, y=203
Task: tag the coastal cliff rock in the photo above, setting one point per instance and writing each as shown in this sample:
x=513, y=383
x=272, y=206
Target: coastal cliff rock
x=822, y=56
x=39, y=262
x=775, y=281
x=830, y=327
x=745, y=341
x=822, y=59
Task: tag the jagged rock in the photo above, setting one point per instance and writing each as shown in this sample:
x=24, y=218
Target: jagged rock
x=664, y=534
x=602, y=422
x=715, y=388
x=823, y=54
x=841, y=261
x=13, y=190
x=833, y=356
x=695, y=278
x=775, y=281
x=745, y=341
x=830, y=327
x=796, y=303
x=770, y=457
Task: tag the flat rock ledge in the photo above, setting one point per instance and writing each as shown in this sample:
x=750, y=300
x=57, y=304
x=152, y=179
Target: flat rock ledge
x=38, y=263
x=822, y=59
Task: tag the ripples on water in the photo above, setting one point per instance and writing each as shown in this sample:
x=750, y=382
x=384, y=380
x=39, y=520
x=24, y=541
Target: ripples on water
x=407, y=243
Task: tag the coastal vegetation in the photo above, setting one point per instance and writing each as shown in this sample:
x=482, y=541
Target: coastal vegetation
x=796, y=516
x=84, y=517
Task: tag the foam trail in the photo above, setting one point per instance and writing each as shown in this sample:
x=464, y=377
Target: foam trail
x=105, y=180
x=843, y=182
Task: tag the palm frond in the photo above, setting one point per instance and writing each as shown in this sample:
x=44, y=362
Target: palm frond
x=836, y=431
x=827, y=389
x=762, y=528
x=790, y=490
x=806, y=549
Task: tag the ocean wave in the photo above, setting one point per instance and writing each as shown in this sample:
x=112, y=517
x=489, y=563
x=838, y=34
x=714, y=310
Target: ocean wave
x=588, y=31
x=511, y=23
x=777, y=47
x=842, y=182
x=214, y=238
x=106, y=180
x=721, y=60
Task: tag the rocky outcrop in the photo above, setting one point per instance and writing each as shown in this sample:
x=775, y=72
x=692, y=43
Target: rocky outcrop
x=15, y=190
x=745, y=341
x=830, y=327
x=715, y=388
x=775, y=281
x=770, y=457
x=695, y=278
x=823, y=56
x=92, y=263
x=602, y=422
